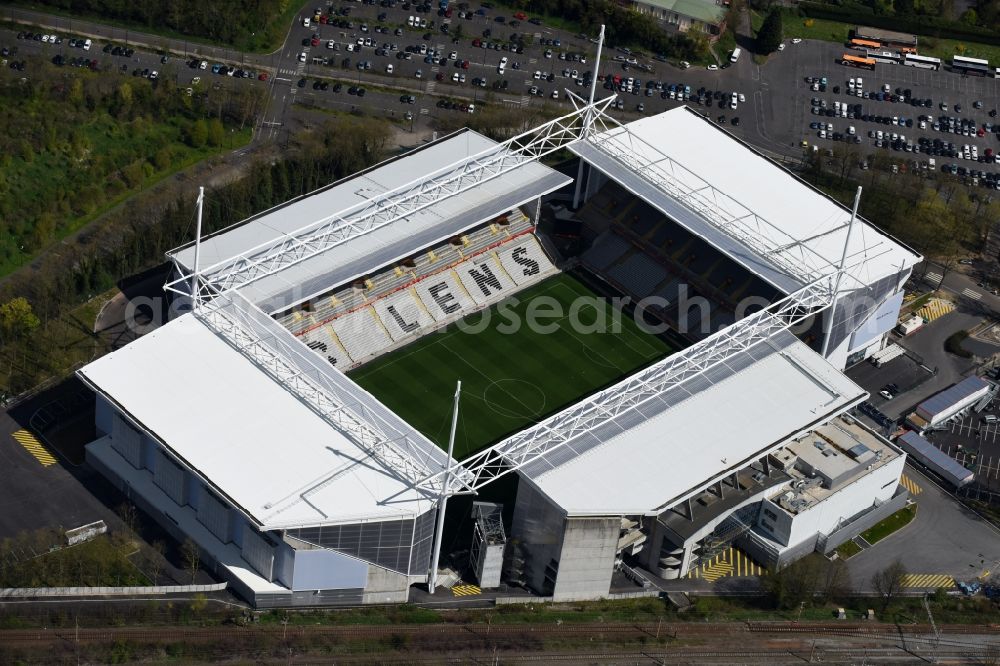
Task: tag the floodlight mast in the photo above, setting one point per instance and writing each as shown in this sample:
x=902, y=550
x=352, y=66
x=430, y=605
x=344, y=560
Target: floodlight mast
x=828, y=329
x=588, y=118
x=443, y=497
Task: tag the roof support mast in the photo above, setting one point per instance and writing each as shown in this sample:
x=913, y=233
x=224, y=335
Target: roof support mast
x=443, y=497
x=828, y=329
x=197, y=250
x=588, y=118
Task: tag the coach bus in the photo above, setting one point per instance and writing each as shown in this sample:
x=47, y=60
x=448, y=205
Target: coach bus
x=864, y=44
x=857, y=61
x=971, y=66
x=889, y=57
x=923, y=62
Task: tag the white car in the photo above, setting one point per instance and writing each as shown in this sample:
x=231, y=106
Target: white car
x=303, y=56
x=306, y=22
x=537, y=74
x=851, y=130
x=860, y=82
x=419, y=74
x=781, y=47
x=472, y=108
x=743, y=98
x=732, y=100
x=684, y=64
x=389, y=68
x=453, y=55
x=712, y=68
x=555, y=94
x=454, y=77
x=796, y=40
x=203, y=64
x=850, y=83
x=330, y=43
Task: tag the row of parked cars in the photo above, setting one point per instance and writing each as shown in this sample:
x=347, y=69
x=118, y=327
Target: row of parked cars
x=875, y=414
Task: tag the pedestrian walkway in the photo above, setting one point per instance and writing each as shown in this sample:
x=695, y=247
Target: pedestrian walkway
x=34, y=447
x=928, y=581
x=465, y=590
x=910, y=485
x=935, y=308
x=731, y=562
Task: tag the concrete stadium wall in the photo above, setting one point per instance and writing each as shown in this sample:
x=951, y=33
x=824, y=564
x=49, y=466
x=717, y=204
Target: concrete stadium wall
x=864, y=522
x=587, y=558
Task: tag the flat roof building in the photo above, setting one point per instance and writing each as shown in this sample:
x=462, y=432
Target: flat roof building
x=708, y=16
x=887, y=37
x=942, y=406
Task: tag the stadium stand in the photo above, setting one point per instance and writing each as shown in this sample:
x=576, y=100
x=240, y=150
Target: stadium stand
x=389, y=308
x=639, y=274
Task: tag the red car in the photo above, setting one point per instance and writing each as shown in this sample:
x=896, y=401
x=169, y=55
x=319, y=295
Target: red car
x=476, y=42
x=262, y=76
x=439, y=77
x=520, y=16
x=465, y=64
x=315, y=41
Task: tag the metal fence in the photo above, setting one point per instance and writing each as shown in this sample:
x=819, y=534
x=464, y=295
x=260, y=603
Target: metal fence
x=32, y=592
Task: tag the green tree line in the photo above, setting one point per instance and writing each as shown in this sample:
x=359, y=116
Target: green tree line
x=245, y=24
x=136, y=237
x=73, y=140
x=623, y=26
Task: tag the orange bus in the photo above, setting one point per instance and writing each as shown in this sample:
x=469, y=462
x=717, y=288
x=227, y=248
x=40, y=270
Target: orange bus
x=856, y=61
x=908, y=50
x=865, y=44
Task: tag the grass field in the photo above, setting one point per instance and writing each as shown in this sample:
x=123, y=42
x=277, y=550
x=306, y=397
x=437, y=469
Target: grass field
x=509, y=380
x=895, y=522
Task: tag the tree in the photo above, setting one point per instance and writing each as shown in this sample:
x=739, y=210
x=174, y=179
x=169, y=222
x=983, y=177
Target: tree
x=191, y=555
x=889, y=583
x=770, y=34
x=216, y=132
x=969, y=17
x=17, y=319
x=198, y=134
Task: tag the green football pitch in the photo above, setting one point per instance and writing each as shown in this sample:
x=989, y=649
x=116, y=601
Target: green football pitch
x=510, y=378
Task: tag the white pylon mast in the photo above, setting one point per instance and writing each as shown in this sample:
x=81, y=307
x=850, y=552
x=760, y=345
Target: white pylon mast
x=197, y=250
x=828, y=329
x=588, y=118
x=443, y=497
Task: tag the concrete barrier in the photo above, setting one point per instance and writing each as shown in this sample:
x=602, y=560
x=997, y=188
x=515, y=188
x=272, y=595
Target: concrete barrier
x=32, y=592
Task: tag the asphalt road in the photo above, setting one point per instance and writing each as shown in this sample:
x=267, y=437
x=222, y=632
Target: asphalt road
x=944, y=538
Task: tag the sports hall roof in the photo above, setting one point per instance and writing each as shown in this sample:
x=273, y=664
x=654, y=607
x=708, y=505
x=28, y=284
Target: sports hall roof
x=250, y=437
x=392, y=242
x=687, y=437
x=797, y=218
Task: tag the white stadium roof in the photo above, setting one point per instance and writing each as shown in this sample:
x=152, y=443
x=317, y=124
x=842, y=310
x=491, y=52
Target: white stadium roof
x=674, y=445
x=261, y=446
x=692, y=170
x=382, y=246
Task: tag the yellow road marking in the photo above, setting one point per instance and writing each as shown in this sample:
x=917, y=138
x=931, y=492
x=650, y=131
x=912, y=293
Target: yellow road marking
x=465, y=590
x=730, y=562
x=34, y=447
x=910, y=485
x=933, y=581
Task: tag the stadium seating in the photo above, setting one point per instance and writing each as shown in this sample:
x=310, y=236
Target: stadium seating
x=362, y=334
x=484, y=278
x=324, y=342
x=402, y=314
x=443, y=295
x=524, y=261
x=639, y=275
x=608, y=248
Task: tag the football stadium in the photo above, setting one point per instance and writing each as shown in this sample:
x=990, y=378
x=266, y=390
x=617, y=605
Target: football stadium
x=650, y=342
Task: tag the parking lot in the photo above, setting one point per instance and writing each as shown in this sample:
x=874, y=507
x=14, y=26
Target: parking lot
x=964, y=108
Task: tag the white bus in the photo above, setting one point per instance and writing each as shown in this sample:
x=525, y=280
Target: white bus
x=923, y=62
x=735, y=55
x=975, y=66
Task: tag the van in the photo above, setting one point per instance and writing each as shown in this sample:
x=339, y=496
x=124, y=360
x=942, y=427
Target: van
x=991, y=418
x=735, y=55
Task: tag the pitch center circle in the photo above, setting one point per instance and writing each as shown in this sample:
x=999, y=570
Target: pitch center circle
x=514, y=398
